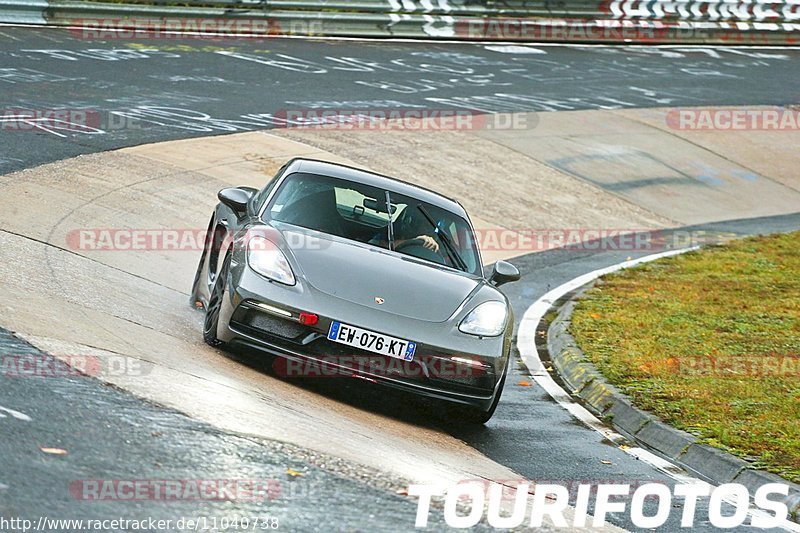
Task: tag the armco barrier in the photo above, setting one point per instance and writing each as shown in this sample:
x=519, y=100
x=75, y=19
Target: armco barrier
x=23, y=11
x=590, y=21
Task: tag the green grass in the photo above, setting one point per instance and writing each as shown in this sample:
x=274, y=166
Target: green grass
x=655, y=330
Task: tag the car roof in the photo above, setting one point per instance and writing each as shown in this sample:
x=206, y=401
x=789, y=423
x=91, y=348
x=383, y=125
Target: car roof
x=335, y=170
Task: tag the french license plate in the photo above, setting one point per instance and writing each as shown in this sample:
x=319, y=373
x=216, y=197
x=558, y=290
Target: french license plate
x=371, y=341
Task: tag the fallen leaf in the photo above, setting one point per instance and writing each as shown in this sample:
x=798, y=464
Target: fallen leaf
x=402, y=492
x=524, y=383
x=54, y=451
x=606, y=462
x=294, y=473
x=594, y=315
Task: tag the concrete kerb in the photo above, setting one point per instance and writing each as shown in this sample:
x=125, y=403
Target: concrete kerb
x=584, y=381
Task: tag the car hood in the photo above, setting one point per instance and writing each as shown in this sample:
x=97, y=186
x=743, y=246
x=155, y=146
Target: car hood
x=365, y=275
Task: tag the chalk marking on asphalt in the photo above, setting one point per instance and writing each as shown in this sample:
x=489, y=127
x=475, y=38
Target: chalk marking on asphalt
x=9, y=36
x=512, y=49
x=14, y=414
x=526, y=344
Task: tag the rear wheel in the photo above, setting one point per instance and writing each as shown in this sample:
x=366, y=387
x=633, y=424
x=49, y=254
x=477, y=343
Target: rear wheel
x=215, y=305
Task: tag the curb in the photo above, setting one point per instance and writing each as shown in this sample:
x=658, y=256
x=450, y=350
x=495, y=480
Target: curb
x=586, y=382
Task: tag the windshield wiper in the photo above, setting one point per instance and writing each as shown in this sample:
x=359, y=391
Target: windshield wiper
x=390, y=227
x=448, y=244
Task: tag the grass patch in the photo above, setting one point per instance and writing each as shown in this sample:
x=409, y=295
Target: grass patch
x=710, y=342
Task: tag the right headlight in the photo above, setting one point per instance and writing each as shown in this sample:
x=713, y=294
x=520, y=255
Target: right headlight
x=486, y=320
x=264, y=257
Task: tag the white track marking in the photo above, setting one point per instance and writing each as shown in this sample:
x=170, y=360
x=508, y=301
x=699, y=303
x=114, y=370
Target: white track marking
x=14, y=414
x=514, y=49
x=9, y=36
x=526, y=344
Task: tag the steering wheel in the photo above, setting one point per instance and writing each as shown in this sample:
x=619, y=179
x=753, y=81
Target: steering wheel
x=414, y=248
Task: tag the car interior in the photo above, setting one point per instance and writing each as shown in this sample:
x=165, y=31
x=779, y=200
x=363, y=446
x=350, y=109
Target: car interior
x=334, y=207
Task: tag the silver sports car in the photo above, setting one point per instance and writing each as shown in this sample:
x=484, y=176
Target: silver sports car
x=339, y=271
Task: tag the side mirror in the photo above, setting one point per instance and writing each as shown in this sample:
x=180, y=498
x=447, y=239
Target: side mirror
x=236, y=198
x=503, y=272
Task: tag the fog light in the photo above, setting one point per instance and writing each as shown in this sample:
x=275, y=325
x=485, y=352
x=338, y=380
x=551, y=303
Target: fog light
x=308, y=319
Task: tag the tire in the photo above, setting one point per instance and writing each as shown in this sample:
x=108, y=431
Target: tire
x=475, y=416
x=215, y=305
x=194, y=299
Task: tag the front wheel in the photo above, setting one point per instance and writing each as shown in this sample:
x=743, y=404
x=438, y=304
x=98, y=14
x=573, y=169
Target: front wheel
x=215, y=305
x=473, y=415
x=194, y=299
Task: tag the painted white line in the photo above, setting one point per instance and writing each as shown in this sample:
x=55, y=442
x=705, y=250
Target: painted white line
x=514, y=49
x=14, y=414
x=8, y=36
x=526, y=344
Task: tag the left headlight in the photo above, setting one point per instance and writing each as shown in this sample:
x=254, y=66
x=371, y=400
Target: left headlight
x=264, y=257
x=486, y=320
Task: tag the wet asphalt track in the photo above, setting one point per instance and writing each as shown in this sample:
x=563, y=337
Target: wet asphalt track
x=145, y=91
x=113, y=436
x=138, y=91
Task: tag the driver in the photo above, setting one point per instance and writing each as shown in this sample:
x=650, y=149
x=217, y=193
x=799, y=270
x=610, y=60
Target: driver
x=409, y=226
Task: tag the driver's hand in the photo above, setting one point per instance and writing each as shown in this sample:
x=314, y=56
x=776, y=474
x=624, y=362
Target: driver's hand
x=429, y=242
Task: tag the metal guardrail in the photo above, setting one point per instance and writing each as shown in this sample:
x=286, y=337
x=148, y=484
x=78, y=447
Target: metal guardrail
x=23, y=11
x=619, y=21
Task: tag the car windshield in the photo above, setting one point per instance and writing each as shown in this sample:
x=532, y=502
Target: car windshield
x=359, y=212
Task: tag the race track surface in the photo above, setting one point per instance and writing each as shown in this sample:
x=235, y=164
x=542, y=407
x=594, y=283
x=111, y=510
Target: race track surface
x=152, y=90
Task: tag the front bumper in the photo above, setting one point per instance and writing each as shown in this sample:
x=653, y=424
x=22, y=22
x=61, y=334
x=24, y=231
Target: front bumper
x=255, y=315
